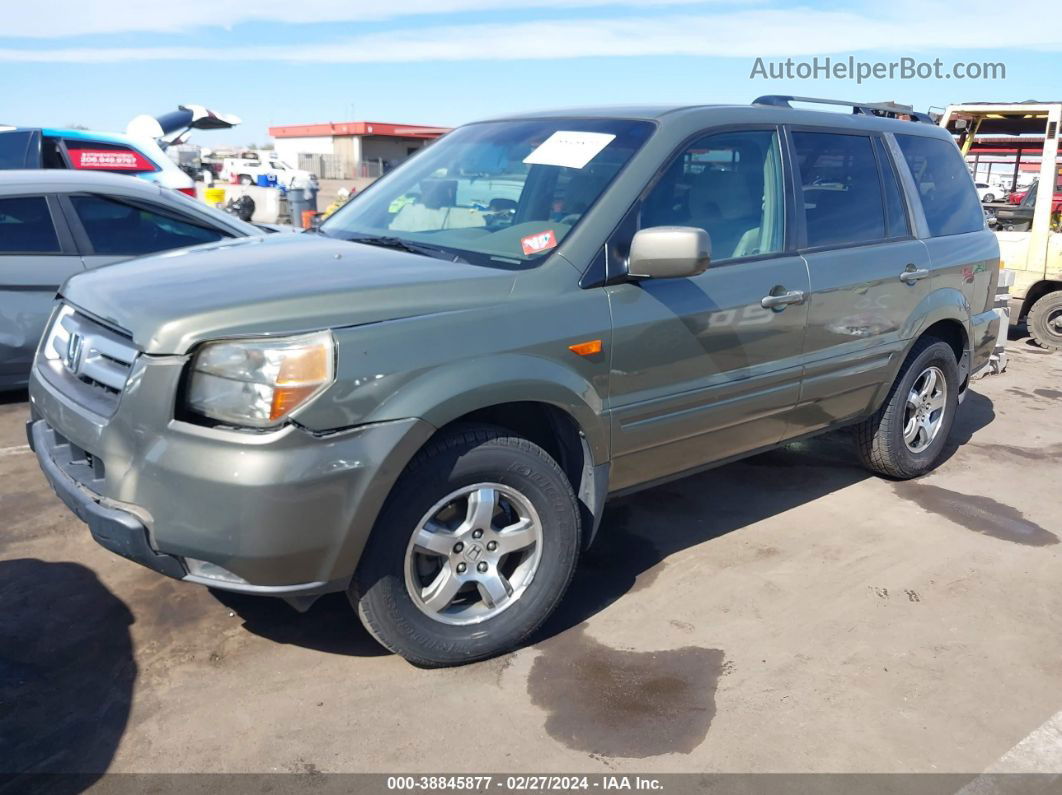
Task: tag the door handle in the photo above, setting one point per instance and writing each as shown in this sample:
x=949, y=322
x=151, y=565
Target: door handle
x=783, y=300
x=912, y=275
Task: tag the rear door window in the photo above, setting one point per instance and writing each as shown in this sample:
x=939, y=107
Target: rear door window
x=841, y=189
x=100, y=156
x=944, y=185
x=114, y=227
x=26, y=226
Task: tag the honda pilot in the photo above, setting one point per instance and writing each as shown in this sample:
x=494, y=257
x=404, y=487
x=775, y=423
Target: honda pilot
x=426, y=403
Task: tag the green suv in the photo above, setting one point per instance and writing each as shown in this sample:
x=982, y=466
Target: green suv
x=427, y=402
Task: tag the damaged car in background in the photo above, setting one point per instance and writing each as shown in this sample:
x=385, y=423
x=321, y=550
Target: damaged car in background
x=54, y=224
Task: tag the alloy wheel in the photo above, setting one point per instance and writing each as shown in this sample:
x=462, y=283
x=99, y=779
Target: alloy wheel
x=473, y=554
x=924, y=412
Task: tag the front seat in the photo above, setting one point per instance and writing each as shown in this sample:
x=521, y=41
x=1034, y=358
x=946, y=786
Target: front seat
x=723, y=204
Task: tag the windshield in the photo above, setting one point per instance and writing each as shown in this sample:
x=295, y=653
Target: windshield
x=498, y=192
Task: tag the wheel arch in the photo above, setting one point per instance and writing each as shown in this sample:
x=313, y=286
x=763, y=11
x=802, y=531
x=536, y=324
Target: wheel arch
x=443, y=395
x=1035, y=293
x=943, y=314
x=936, y=311
x=557, y=432
x=551, y=405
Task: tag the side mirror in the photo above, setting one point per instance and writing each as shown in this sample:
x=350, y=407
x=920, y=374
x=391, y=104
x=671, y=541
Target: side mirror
x=668, y=252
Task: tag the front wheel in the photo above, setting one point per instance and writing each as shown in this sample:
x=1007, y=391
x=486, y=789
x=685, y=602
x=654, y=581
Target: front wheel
x=906, y=436
x=989, y=198
x=473, y=551
x=1045, y=321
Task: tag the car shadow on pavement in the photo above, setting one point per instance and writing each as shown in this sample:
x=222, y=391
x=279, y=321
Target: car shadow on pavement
x=330, y=625
x=640, y=531
x=66, y=675
x=975, y=413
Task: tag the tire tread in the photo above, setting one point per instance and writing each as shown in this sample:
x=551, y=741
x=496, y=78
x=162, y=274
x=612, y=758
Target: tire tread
x=874, y=437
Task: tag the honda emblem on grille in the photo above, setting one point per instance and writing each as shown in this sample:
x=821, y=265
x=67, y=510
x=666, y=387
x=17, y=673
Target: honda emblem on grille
x=72, y=358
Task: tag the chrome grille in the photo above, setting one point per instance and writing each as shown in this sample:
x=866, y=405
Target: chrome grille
x=93, y=353
x=87, y=360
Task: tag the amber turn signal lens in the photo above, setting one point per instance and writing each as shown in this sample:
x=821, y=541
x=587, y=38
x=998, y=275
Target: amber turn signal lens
x=588, y=348
x=310, y=365
x=287, y=398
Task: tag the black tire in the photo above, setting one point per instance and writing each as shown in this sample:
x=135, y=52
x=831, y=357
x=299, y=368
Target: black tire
x=245, y=179
x=1045, y=321
x=460, y=458
x=989, y=198
x=880, y=438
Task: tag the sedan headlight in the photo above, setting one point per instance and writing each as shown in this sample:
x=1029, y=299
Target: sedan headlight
x=258, y=383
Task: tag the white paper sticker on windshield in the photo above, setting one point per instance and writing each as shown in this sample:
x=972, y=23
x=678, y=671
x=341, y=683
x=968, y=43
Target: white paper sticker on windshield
x=569, y=149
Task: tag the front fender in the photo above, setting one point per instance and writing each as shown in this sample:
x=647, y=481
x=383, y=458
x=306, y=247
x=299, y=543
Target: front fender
x=440, y=367
x=444, y=394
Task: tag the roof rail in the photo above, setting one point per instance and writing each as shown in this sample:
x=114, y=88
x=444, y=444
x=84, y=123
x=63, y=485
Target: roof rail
x=890, y=110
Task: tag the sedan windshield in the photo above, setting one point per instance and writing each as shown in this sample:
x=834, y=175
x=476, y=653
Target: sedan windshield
x=493, y=193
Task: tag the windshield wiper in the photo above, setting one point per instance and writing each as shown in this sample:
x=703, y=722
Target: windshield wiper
x=384, y=241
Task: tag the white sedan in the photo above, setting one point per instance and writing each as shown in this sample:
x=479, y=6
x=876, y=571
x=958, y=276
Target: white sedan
x=986, y=193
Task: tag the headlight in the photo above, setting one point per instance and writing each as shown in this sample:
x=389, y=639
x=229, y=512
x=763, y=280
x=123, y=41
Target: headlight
x=57, y=337
x=260, y=382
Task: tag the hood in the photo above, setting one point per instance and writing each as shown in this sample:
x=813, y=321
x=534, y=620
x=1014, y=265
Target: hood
x=275, y=285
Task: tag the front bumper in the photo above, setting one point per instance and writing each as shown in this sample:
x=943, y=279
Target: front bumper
x=114, y=529
x=283, y=513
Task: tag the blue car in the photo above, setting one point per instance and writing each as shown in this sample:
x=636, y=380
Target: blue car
x=137, y=152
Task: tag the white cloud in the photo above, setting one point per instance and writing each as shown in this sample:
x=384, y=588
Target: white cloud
x=59, y=18
x=909, y=27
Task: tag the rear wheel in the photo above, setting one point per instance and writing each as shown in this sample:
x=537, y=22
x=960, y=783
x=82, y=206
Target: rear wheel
x=989, y=198
x=905, y=437
x=472, y=552
x=1045, y=321
x=245, y=179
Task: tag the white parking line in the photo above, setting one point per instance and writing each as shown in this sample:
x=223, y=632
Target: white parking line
x=1039, y=752
x=18, y=448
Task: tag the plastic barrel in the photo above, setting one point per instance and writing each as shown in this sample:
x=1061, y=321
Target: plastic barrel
x=263, y=180
x=297, y=203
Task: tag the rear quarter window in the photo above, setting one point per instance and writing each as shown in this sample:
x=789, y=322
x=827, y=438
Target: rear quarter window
x=948, y=197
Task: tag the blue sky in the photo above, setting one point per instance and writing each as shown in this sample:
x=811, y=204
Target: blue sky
x=445, y=62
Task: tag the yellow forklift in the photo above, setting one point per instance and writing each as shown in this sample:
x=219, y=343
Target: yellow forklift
x=1032, y=259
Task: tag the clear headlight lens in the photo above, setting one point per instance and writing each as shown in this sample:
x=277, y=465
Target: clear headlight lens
x=58, y=336
x=259, y=383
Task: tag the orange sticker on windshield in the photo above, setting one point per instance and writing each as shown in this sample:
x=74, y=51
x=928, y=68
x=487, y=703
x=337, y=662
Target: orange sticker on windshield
x=538, y=242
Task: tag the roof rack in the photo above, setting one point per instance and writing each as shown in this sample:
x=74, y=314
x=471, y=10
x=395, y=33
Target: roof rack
x=889, y=110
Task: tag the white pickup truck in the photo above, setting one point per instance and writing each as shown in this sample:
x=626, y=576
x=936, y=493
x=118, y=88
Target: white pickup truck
x=247, y=171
